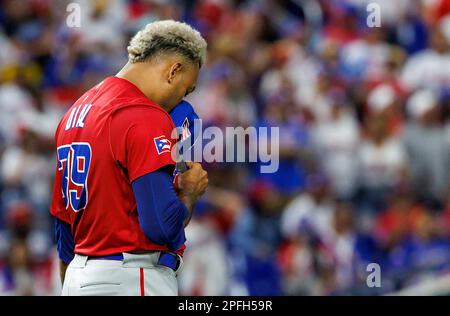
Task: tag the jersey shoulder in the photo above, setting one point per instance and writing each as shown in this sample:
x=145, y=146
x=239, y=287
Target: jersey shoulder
x=139, y=113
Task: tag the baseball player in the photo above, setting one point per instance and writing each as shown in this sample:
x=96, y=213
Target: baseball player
x=119, y=221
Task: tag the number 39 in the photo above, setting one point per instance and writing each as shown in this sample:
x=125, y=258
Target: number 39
x=74, y=161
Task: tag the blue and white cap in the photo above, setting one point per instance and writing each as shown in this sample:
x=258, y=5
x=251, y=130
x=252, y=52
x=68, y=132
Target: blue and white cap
x=188, y=124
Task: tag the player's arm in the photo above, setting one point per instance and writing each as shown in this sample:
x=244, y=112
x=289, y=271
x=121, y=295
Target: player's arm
x=64, y=244
x=161, y=214
x=191, y=185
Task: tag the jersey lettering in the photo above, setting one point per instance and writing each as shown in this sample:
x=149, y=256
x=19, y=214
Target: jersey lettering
x=77, y=117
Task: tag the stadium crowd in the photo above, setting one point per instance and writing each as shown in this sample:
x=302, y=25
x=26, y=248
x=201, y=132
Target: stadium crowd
x=364, y=173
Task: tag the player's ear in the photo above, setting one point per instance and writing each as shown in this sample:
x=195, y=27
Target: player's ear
x=173, y=71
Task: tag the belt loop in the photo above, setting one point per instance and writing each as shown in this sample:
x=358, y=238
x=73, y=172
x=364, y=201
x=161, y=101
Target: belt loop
x=79, y=261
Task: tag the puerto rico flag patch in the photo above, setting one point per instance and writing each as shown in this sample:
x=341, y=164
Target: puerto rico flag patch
x=186, y=133
x=162, y=144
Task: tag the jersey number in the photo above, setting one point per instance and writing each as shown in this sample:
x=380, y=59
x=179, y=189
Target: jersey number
x=74, y=161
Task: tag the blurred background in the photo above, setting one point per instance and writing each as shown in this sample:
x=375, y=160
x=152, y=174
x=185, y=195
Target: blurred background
x=364, y=140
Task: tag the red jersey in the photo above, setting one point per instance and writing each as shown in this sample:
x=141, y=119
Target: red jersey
x=111, y=136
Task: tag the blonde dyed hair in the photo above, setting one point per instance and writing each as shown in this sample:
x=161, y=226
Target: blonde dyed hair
x=167, y=36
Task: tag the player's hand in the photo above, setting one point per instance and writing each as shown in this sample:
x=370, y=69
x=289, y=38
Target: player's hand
x=191, y=185
x=193, y=182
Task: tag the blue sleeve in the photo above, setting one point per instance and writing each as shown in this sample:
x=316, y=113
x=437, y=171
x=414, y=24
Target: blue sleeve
x=161, y=213
x=64, y=241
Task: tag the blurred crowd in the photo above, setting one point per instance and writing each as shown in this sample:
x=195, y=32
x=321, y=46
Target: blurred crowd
x=364, y=121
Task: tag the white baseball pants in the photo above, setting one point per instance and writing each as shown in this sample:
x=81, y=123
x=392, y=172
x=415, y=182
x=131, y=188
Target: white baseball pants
x=136, y=275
